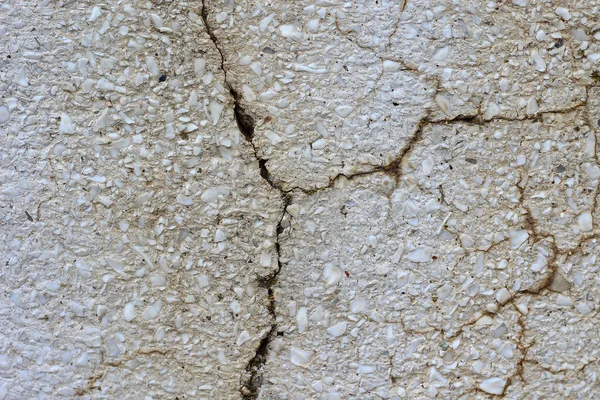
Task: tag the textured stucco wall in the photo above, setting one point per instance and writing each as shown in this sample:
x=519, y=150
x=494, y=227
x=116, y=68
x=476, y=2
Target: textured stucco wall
x=299, y=199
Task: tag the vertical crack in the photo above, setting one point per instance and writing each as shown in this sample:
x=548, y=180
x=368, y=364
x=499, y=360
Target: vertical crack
x=250, y=388
x=209, y=31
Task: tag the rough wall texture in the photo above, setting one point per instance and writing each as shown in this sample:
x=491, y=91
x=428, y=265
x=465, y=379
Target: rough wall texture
x=299, y=199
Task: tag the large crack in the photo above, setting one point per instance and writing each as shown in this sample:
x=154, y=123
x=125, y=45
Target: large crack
x=250, y=387
x=393, y=168
x=551, y=281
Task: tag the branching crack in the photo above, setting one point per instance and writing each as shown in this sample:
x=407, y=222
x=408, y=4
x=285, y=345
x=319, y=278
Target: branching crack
x=250, y=388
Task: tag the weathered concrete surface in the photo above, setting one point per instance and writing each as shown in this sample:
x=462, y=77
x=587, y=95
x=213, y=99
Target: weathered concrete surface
x=308, y=199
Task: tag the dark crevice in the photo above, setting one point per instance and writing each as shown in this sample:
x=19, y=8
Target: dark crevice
x=250, y=388
x=470, y=118
x=209, y=31
x=264, y=172
x=270, y=280
x=393, y=169
x=244, y=120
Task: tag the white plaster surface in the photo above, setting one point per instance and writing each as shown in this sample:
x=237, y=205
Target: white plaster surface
x=310, y=199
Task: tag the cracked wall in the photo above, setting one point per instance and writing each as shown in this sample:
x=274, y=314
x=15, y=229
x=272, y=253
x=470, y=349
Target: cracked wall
x=308, y=199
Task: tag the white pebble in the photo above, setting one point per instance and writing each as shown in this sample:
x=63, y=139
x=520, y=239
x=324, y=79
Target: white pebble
x=96, y=12
x=123, y=225
x=235, y=306
x=444, y=103
x=563, y=13
x=300, y=357
x=157, y=21
x=337, y=330
x=594, y=57
x=427, y=166
x=444, y=291
x=117, y=265
x=331, y=274
x=502, y=295
x=583, y=308
x=265, y=259
x=441, y=54
x=506, y=350
x=420, y=255
x=152, y=311
x=523, y=309
x=358, y=305
x=66, y=124
x=77, y=308
x=302, y=320
x=539, y=263
x=532, y=106
x=539, y=61
x=293, y=210
x=220, y=17
x=390, y=66
x=243, y=338
x=365, y=369
x=319, y=144
x=83, y=360
x=564, y=301
x=211, y=194
x=220, y=236
x=287, y=30
x=432, y=206
x=16, y=299
x=493, y=385
x=152, y=66
x=593, y=172
x=491, y=111
x=4, y=114
x=517, y=237
x=484, y=320
x=158, y=280
x=52, y=286
x=22, y=77
x=343, y=111
x=184, y=200
x=434, y=375
x=372, y=239
x=585, y=221
x=129, y=312
x=215, y=111
x=248, y=93
x=199, y=67
x=104, y=84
